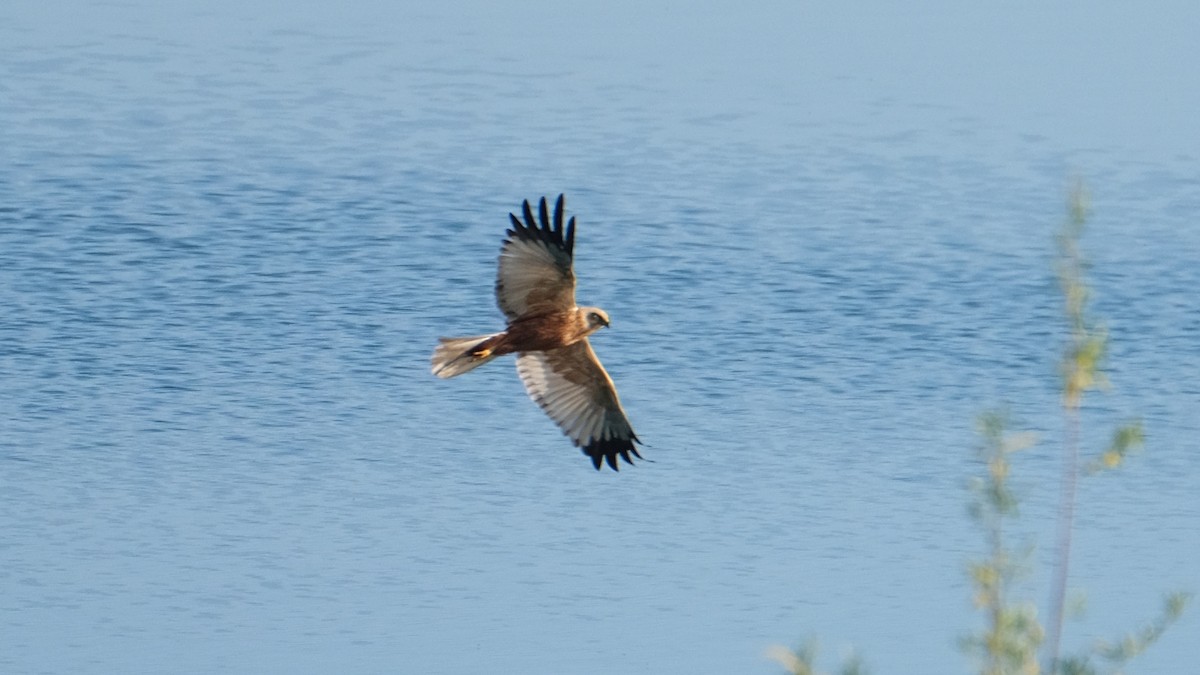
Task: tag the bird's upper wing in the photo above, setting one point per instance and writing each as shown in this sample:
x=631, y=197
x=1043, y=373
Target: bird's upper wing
x=572, y=387
x=535, y=273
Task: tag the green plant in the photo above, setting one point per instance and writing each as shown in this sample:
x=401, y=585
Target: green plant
x=1013, y=634
x=801, y=660
x=1081, y=370
x=1009, y=642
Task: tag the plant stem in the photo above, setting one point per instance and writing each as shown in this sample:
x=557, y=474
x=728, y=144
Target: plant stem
x=1080, y=370
x=1066, y=518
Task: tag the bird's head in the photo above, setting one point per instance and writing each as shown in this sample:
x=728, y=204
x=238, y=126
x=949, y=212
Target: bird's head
x=594, y=318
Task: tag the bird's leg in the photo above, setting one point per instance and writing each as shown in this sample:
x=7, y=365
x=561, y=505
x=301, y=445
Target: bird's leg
x=488, y=348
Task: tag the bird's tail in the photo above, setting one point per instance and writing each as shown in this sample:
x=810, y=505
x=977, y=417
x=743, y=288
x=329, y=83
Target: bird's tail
x=455, y=356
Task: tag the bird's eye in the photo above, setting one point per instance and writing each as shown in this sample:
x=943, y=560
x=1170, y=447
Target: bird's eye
x=594, y=317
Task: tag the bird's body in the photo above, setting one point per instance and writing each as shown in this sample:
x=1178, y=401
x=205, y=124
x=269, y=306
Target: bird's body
x=545, y=331
x=535, y=288
x=542, y=332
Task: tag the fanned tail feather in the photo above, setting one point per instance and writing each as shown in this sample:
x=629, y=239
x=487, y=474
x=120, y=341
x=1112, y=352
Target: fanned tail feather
x=455, y=356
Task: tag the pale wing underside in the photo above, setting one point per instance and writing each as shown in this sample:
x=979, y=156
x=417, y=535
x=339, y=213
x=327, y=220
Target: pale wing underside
x=535, y=273
x=572, y=387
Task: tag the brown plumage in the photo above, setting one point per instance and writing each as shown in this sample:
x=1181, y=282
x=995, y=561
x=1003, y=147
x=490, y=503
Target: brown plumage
x=535, y=288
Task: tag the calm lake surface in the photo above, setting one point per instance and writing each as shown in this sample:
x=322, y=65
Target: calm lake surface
x=230, y=236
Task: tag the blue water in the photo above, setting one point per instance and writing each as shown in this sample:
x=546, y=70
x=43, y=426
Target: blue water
x=230, y=235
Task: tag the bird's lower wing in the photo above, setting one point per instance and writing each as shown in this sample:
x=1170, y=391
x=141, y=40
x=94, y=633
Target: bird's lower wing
x=575, y=391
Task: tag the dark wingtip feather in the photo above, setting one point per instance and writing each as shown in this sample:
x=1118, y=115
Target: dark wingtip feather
x=608, y=450
x=541, y=229
x=529, y=221
x=545, y=215
x=558, y=216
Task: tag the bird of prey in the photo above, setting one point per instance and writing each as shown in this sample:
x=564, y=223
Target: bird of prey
x=535, y=288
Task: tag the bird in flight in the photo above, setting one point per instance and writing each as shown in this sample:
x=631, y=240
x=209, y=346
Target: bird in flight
x=535, y=288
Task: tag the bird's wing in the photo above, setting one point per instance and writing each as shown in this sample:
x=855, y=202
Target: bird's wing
x=535, y=273
x=572, y=387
